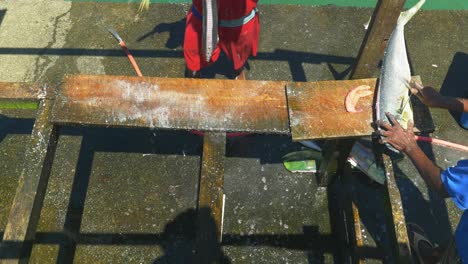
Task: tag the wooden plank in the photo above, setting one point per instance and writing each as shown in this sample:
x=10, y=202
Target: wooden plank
x=317, y=110
x=381, y=26
x=22, y=91
x=210, y=197
x=173, y=103
x=395, y=215
x=24, y=214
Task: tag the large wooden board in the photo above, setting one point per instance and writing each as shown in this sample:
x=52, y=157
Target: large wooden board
x=317, y=110
x=173, y=103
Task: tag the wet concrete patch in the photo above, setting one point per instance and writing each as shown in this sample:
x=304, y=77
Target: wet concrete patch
x=31, y=26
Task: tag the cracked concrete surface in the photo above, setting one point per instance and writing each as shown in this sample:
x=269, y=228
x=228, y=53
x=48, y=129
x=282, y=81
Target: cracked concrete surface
x=32, y=25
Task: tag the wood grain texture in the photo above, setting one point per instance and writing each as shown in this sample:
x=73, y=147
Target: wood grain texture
x=173, y=103
x=317, y=110
x=211, y=199
x=381, y=26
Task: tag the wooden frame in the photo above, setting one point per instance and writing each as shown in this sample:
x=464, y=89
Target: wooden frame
x=248, y=106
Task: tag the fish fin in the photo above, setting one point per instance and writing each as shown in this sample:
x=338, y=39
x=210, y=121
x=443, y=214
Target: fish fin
x=311, y=144
x=405, y=112
x=408, y=14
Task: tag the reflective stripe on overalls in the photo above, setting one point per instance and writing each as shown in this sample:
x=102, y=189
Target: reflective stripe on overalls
x=232, y=22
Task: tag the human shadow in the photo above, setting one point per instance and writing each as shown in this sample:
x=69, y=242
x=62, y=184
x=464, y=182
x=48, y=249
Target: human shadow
x=179, y=239
x=428, y=211
x=456, y=81
x=184, y=242
x=224, y=67
x=2, y=15
x=176, y=33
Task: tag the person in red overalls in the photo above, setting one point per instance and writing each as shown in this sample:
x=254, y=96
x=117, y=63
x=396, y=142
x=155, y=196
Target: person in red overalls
x=238, y=29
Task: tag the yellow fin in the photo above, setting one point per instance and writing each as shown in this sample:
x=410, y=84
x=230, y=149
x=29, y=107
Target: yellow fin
x=406, y=112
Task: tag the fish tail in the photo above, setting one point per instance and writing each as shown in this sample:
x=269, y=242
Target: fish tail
x=408, y=14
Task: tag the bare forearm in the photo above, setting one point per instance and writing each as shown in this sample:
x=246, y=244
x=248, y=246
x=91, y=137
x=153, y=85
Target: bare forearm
x=428, y=170
x=453, y=104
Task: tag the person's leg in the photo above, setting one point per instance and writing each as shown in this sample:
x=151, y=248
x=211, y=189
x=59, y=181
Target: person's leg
x=426, y=252
x=191, y=74
x=239, y=43
x=239, y=74
x=450, y=254
x=194, y=60
x=421, y=246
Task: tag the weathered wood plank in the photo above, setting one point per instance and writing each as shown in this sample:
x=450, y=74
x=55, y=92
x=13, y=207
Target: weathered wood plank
x=395, y=215
x=173, y=103
x=317, y=110
x=210, y=197
x=22, y=91
x=25, y=211
x=381, y=26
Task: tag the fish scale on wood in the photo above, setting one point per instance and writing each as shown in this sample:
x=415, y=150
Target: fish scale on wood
x=393, y=93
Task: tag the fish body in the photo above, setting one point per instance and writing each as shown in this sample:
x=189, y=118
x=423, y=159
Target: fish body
x=210, y=28
x=393, y=93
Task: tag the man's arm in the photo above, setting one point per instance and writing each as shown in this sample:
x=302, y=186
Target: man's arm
x=404, y=141
x=430, y=97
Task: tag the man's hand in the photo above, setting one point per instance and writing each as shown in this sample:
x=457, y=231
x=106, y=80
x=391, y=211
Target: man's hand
x=401, y=139
x=428, y=95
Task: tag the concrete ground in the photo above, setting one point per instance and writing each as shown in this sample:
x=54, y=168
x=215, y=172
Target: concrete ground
x=128, y=195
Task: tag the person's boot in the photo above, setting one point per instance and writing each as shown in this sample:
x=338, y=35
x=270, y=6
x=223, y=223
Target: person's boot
x=191, y=74
x=239, y=74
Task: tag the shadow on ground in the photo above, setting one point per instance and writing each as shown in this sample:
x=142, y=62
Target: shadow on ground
x=456, y=79
x=177, y=239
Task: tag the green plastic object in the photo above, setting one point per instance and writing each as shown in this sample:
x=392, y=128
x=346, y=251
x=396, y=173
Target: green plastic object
x=302, y=161
x=18, y=105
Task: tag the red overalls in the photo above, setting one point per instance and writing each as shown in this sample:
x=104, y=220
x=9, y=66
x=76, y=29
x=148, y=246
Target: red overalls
x=237, y=42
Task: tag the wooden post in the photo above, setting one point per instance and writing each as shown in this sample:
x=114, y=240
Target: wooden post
x=395, y=215
x=381, y=26
x=370, y=55
x=211, y=198
x=32, y=185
